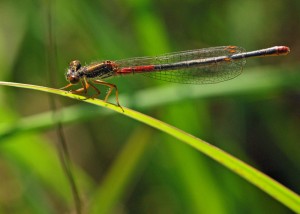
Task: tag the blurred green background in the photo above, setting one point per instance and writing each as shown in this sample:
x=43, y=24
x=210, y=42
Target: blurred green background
x=133, y=168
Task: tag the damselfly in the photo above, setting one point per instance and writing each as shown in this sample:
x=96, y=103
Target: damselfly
x=203, y=66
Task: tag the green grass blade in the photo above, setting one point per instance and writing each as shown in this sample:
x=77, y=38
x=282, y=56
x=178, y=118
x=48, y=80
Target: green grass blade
x=253, y=82
x=267, y=184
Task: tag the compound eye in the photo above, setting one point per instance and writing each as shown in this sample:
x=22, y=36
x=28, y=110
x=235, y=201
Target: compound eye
x=73, y=79
x=75, y=65
x=72, y=76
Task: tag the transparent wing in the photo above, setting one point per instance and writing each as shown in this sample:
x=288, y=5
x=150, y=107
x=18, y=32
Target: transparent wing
x=202, y=74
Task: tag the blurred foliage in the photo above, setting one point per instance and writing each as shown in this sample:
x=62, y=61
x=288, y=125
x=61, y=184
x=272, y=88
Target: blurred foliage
x=259, y=124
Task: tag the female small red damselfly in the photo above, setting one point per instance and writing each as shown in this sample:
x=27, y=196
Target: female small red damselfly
x=203, y=66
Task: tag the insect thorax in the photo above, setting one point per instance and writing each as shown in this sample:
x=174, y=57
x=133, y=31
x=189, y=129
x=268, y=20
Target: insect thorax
x=98, y=70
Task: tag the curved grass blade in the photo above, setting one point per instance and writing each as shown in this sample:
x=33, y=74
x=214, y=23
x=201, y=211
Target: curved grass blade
x=262, y=181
